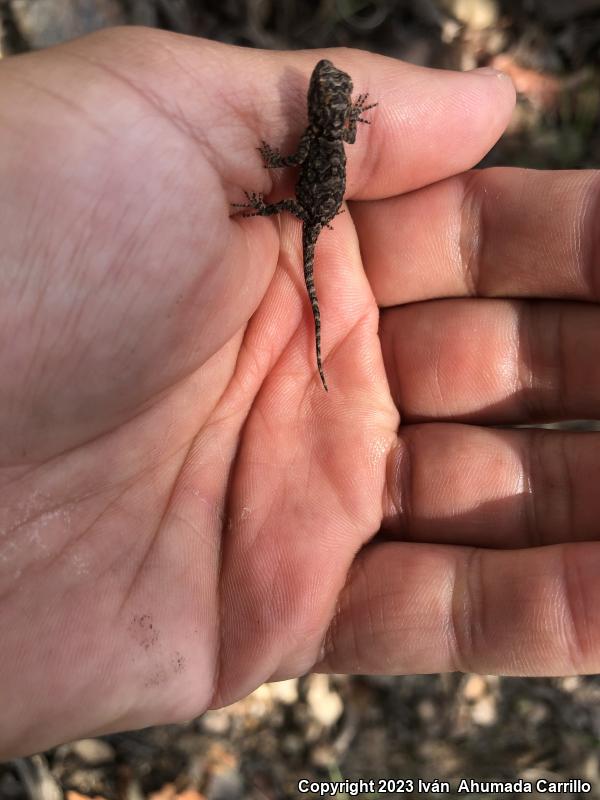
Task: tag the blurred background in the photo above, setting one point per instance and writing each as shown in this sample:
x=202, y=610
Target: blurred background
x=442, y=727
x=550, y=48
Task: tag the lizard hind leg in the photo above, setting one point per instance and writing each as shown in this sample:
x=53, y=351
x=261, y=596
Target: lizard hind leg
x=262, y=209
x=255, y=201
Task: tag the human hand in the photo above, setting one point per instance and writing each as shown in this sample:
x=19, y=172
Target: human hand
x=183, y=509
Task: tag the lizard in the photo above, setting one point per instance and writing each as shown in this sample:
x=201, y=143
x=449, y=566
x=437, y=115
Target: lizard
x=321, y=184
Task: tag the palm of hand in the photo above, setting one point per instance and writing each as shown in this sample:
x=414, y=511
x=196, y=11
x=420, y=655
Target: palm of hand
x=197, y=497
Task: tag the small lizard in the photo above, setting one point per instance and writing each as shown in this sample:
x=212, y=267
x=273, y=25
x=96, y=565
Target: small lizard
x=332, y=118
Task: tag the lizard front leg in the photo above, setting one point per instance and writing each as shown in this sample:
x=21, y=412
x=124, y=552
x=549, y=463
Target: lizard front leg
x=354, y=116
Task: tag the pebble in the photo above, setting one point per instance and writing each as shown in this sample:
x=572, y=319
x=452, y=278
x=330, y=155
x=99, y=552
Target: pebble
x=92, y=752
x=325, y=704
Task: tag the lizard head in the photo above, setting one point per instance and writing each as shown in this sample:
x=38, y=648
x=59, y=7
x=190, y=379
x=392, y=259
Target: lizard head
x=329, y=100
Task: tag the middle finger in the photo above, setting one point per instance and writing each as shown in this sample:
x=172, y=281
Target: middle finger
x=487, y=233
x=493, y=362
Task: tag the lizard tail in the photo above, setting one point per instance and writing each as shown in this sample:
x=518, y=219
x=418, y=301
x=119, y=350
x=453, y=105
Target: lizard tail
x=309, y=239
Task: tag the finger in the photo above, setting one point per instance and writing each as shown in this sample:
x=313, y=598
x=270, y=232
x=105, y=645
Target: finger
x=462, y=484
x=488, y=233
x=419, y=112
x=493, y=361
x=411, y=608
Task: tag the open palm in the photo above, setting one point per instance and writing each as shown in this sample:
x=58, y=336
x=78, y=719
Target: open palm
x=183, y=509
